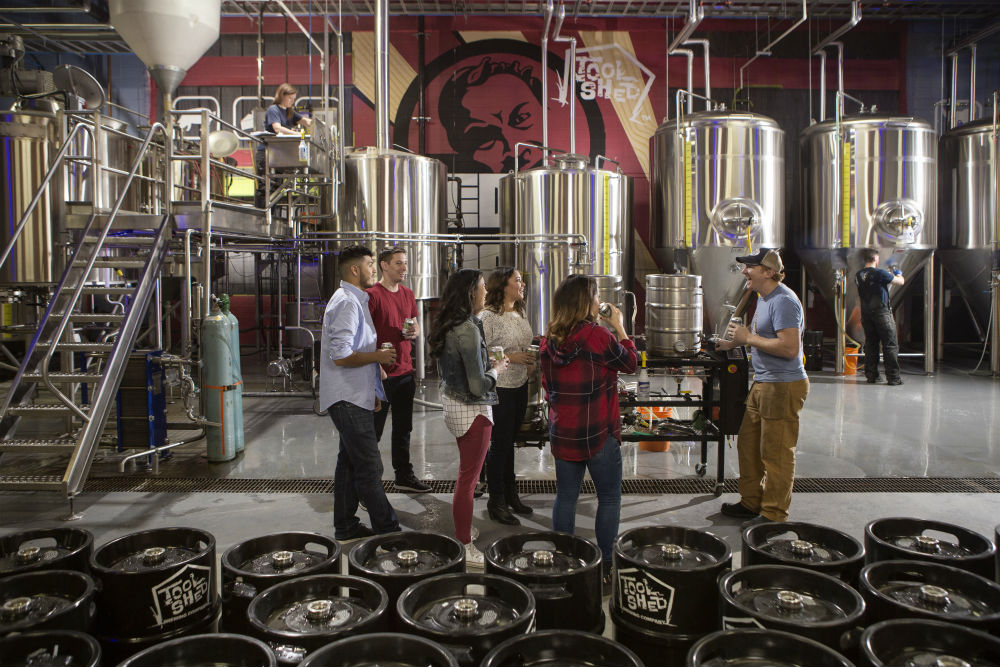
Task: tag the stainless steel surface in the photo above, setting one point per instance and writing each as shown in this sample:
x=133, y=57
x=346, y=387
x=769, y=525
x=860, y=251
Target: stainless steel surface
x=403, y=196
x=30, y=140
x=283, y=153
x=567, y=198
x=892, y=203
x=674, y=314
x=736, y=184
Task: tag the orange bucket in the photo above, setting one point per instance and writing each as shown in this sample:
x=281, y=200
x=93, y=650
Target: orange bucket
x=850, y=361
x=656, y=445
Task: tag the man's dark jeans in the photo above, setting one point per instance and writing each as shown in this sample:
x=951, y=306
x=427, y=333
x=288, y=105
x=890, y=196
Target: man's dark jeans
x=358, y=473
x=880, y=329
x=399, y=393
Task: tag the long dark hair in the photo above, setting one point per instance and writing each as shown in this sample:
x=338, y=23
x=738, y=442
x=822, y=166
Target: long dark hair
x=496, y=285
x=456, y=306
x=570, y=305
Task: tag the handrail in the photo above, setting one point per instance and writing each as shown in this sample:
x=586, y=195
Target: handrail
x=45, y=183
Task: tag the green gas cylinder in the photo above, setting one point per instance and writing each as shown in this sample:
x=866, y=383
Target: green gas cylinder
x=218, y=384
x=237, y=370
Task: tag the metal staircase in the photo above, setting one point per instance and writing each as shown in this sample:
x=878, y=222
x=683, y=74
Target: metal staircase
x=81, y=392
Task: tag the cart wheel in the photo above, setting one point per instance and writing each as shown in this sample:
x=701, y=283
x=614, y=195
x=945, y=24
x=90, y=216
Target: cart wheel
x=316, y=409
x=718, y=490
x=700, y=469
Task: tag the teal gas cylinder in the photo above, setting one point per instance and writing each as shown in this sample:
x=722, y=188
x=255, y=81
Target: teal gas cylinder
x=219, y=384
x=237, y=370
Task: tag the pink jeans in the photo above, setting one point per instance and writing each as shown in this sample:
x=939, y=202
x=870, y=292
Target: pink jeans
x=472, y=448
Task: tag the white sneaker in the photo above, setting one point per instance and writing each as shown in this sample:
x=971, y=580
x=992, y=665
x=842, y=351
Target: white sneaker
x=474, y=558
x=474, y=533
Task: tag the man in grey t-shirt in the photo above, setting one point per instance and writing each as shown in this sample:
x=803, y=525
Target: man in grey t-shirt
x=770, y=428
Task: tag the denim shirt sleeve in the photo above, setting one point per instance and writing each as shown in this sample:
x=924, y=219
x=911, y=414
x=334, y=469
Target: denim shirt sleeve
x=470, y=344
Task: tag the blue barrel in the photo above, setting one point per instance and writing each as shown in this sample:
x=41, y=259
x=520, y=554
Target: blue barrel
x=218, y=385
x=237, y=370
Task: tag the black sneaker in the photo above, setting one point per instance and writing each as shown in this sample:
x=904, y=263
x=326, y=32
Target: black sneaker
x=873, y=380
x=360, y=533
x=894, y=382
x=412, y=484
x=738, y=511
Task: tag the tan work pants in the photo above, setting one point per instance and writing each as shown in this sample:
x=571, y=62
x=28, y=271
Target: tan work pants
x=766, y=446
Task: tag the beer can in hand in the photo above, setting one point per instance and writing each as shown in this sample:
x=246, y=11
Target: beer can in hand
x=734, y=321
x=387, y=345
x=604, y=310
x=408, y=324
x=533, y=351
x=497, y=352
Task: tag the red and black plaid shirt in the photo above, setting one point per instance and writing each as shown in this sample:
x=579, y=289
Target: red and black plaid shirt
x=581, y=381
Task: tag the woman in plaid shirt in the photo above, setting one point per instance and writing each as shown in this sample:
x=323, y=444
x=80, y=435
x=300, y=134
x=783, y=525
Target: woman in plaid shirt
x=580, y=361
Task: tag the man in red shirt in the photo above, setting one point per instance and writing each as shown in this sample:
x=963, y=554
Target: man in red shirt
x=391, y=303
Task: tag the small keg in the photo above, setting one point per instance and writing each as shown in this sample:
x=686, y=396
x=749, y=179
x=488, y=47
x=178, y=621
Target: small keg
x=46, y=549
x=252, y=566
x=910, y=641
x=562, y=571
x=914, y=589
x=382, y=648
x=566, y=648
x=301, y=615
x=395, y=561
x=610, y=290
x=931, y=541
x=467, y=613
x=154, y=585
x=674, y=314
x=762, y=647
x=804, y=545
x=665, y=594
x=47, y=600
x=218, y=650
x=50, y=648
x=791, y=599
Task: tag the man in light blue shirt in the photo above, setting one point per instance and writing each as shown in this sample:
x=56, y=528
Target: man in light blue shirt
x=769, y=432
x=350, y=388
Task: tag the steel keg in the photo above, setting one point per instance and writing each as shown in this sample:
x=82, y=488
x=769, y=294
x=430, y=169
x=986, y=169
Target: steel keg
x=301, y=615
x=252, y=566
x=565, y=648
x=803, y=602
x=218, y=650
x=932, y=541
x=912, y=589
x=910, y=641
x=665, y=594
x=562, y=571
x=382, y=648
x=46, y=549
x=746, y=648
x=674, y=314
x=804, y=545
x=50, y=648
x=467, y=613
x=154, y=585
x=47, y=600
x=396, y=561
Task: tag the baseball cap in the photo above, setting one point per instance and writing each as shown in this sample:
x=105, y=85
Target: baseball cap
x=769, y=258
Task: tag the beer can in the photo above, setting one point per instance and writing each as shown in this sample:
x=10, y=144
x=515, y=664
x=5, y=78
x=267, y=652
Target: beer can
x=734, y=321
x=533, y=351
x=604, y=310
x=497, y=352
x=409, y=323
x=387, y=345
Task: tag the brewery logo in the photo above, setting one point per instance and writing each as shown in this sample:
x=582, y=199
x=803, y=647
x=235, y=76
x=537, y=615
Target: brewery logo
x=484, y=108
x=184, y=593
x=740, y=623
x=606, y=72
x=644, y=597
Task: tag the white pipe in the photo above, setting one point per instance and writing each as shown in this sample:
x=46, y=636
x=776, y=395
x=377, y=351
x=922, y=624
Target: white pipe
x=545, y=85
x=571, y=83
x=708, y=69
x=382, y=76
x=822, y=85
x=766, y=51
x=972, y=85
x=695, y=14
x=690, y=77
x=953, y=110
x=836, y=34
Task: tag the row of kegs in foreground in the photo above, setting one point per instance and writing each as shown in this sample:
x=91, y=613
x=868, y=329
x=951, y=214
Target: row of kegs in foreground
x=917, y=593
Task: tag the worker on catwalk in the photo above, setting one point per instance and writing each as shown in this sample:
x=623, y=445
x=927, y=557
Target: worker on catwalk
x=468, y=390
x=769, y=432
x=281, y=118
x=350, y=388
x=876, y=316
x=506, y=326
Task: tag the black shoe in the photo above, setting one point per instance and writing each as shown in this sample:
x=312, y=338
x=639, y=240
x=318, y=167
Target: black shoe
x=362, y=506
x=894, y=382
x=873, y=380
x=412, y=484
x=479, y=490
x=515, y=504
x=501, y=514
x=738, y=511
x=360, y=533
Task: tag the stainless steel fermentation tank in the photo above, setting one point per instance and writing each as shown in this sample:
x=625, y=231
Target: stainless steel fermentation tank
x=717, y=184
x=399, y=200
x=568, y=217
x=868, y=181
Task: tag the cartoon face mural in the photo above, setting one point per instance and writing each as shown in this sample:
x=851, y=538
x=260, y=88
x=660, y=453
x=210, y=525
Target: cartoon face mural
x=488, y=99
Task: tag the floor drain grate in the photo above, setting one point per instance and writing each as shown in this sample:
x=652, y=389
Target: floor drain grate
x=694, y=486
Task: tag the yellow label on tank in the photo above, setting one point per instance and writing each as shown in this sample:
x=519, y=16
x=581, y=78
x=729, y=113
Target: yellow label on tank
x=688, y=197
x=845, y=195
x=607, y=224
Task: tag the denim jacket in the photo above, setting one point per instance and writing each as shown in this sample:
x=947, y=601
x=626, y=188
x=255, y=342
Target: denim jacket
x=464, y=363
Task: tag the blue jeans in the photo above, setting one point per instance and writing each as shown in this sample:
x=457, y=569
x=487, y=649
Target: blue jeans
x=606, y=471
x=358, y=473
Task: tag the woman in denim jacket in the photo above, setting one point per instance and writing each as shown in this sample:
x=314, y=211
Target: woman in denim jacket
x=468, y=390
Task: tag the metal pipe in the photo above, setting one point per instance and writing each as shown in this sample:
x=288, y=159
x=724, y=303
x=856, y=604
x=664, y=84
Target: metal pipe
x=836, y=34
x=545, y=81
x=708, y=69
x=418, y=344
x=972, y=84
x=766, y=51
x=206, y=208
x=929, y=314
x=186, y=303
x=695, y=14
x=157, y=450
x=689, y=54
x=278, y=394
x=260, y=57
x=953, y=109
x=571, y=83
x=822, y=85
x=840, y=66
x=382, y=75
x=995, y=283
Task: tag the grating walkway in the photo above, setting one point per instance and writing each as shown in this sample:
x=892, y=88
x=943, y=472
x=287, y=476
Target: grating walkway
x=133, y=484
